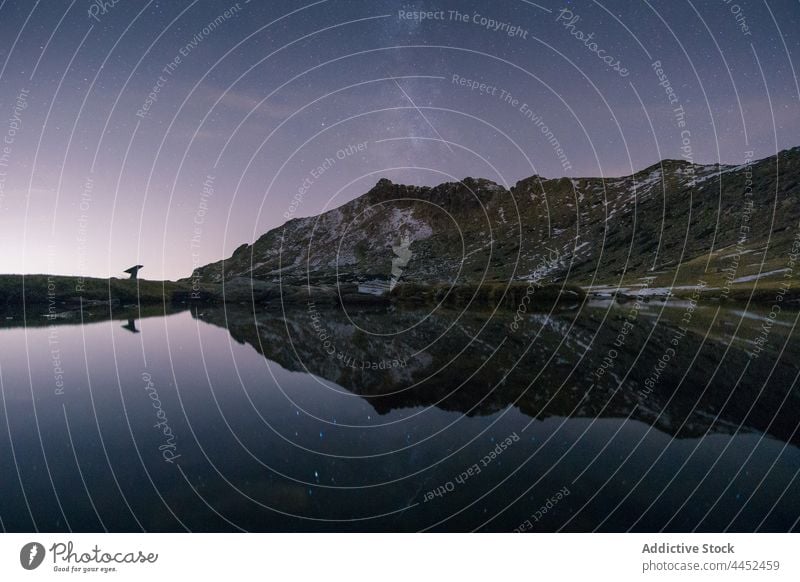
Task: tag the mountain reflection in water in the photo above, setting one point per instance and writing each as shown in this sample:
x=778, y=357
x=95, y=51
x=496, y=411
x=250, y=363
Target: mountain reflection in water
x=375, y=419
x=554, y=365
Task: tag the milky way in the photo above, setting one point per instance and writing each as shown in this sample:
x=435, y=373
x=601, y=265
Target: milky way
x=169, y=133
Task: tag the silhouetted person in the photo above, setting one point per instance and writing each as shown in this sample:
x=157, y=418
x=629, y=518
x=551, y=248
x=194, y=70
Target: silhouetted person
x=134, y=271
x=131, y=326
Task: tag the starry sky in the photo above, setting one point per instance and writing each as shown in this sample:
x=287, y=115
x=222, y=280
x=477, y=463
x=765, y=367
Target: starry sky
x=168, y=133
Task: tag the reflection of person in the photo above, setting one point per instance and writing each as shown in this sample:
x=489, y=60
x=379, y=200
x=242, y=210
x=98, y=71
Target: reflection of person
x=131, y=326
x=134, y=271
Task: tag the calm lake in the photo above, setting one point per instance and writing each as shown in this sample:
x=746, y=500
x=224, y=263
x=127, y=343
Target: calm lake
x=611, y=417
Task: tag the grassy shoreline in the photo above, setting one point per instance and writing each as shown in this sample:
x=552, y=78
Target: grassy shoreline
x=65, y=293
x=65, y=290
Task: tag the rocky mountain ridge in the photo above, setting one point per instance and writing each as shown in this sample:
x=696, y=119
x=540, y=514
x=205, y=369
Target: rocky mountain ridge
x=671, y=223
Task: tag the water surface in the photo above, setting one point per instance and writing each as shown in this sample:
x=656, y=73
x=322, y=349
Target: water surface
x=372, y=419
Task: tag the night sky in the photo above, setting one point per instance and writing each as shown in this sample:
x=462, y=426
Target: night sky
x=131, y=129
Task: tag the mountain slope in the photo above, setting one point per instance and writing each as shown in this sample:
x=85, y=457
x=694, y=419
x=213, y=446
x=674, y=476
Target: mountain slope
x=673, y=221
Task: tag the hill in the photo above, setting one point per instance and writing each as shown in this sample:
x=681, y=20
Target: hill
x=667, y=226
